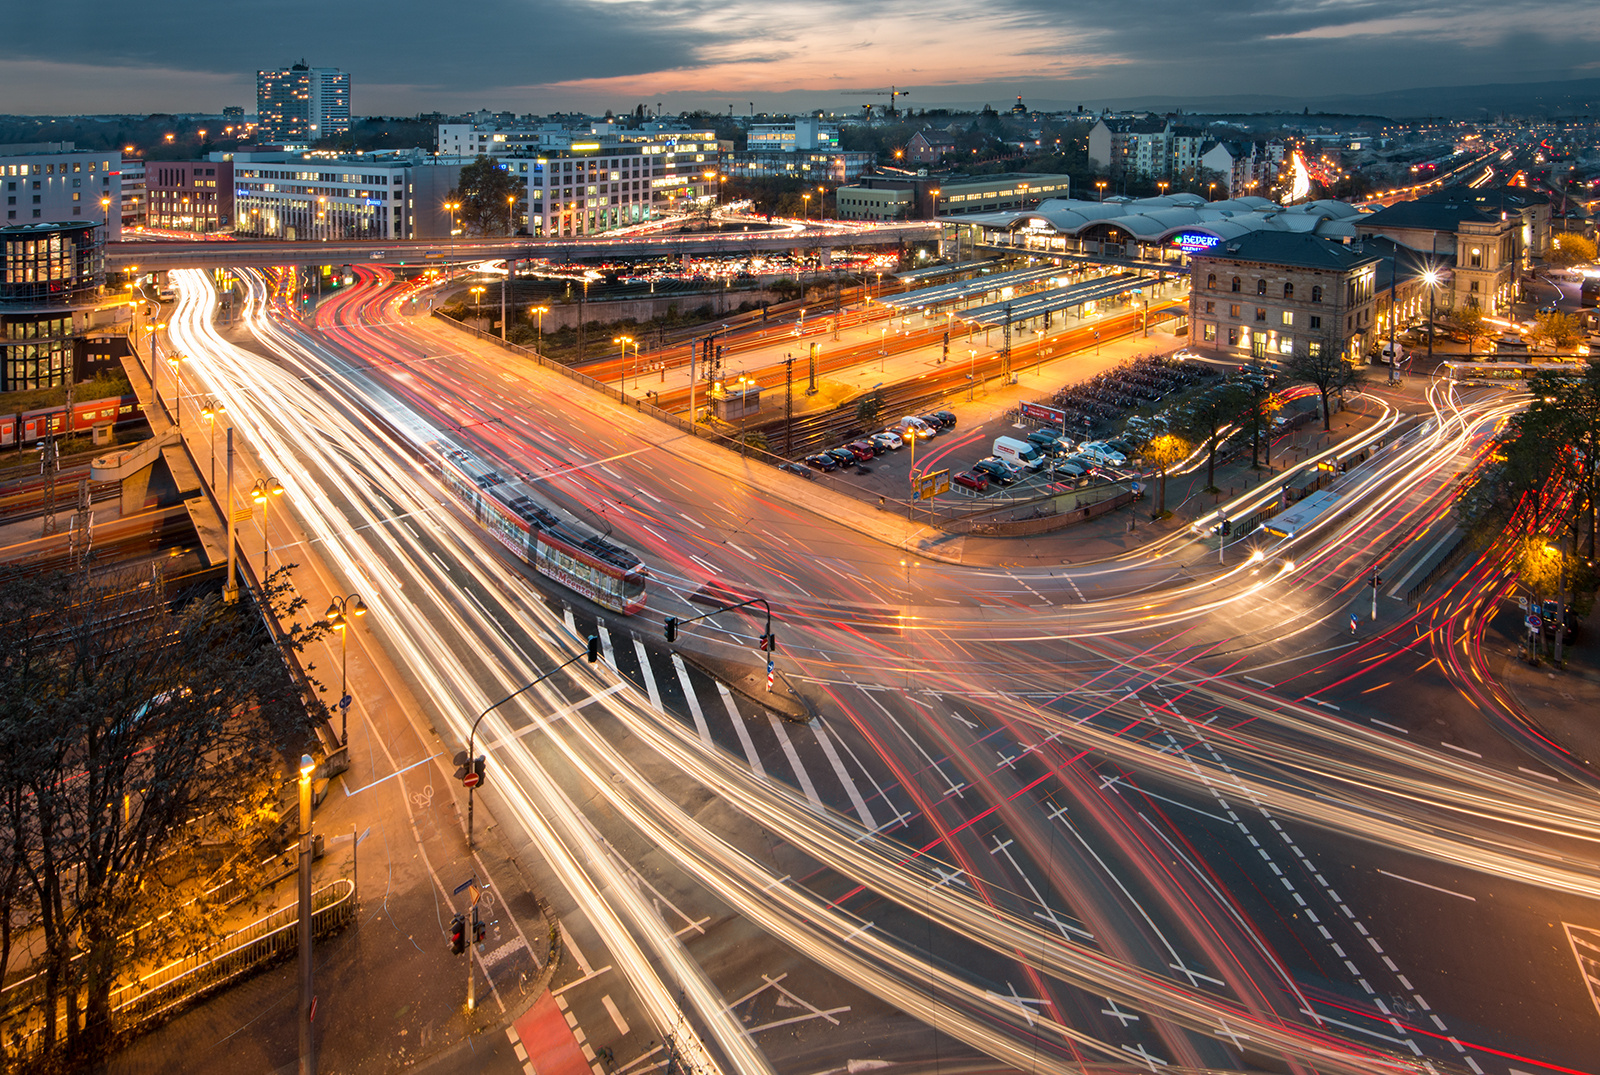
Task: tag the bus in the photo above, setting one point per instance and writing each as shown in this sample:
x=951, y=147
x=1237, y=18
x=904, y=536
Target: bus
x=556, y=546
x=1286, y=524
x=1482, y=372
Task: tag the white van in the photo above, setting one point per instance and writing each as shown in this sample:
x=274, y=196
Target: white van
x=1019, y=452
x=913, y=426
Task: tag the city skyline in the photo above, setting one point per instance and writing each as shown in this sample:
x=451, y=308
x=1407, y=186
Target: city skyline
x=542, y=57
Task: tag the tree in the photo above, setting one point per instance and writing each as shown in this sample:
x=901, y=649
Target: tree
x=1468, y=323
x=1205, y=416
x=868, y=408
x=483, y=190
x=145, y=740
x=1557, y=330
x=1570, y=248
x=1538, y=565
x=1162, y=454
x=1258, y=414
x=1324, y=369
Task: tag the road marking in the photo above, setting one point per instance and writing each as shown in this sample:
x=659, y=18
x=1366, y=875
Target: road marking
x=1391, y=727
x=747, y=555
x=1542, y=776
x=693, y=700
x=740, y=730
x=1462, y=750
x=696, y=522
x=1424, y=884
x=605, y=646
x=1258, y=682
x=649, y=675
x=794, y=760
x=1319, y=701
x=572, y=624
x=616, y=1016
x=850, y=788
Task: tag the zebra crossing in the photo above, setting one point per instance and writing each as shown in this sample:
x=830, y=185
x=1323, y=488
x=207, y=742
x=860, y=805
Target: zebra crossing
x=814, y=758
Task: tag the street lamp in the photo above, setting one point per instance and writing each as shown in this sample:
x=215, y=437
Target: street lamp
x=806, y=198
x=177, y=377
x=1161, y=186
x=1431, y=278
x=452, y=207
x=262, y=493
x=308, y=1060
x=511, y=214
x=477, y=301
x=1101, y=185
x=1211, y=190
x=622, y=368
x=105, y=212
x=539, y=312
x=209, y=411
x=340, y=609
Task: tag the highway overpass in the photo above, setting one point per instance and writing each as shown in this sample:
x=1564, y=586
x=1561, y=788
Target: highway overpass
x=265, y=253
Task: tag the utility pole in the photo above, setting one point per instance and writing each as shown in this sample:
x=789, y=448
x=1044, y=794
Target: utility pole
x=789, y=405
x=812, y=390
x=49, y=463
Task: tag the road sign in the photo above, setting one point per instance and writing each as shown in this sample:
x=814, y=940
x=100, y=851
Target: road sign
x=927, y=486
x=344, y=703
x=1522, y=603
x=463, y=886
x=470, y=780
x=1534, y=622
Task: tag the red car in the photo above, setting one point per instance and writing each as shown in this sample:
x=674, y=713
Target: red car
x=972, y=479
x=863, y=449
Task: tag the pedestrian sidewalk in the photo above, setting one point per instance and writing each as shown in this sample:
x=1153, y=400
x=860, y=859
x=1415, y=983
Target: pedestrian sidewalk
x=1561, y=703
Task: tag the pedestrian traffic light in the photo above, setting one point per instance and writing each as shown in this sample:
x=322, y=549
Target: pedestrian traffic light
x=672, y=628
x=477, y=769
x=1376, y=580
x=458, y=934
x=594, y=648
x=479, y=929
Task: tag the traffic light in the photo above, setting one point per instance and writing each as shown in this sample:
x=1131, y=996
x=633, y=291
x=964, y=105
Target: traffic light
x=594, y=648
x=479, y=929
x=458, y=934
x=769, y=642
x=1376, y=580
x=463, y=766
x=672, y=628
x=1227, y=526
x=477, y=768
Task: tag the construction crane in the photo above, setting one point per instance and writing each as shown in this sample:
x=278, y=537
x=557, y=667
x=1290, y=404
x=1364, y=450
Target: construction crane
x=892, y=93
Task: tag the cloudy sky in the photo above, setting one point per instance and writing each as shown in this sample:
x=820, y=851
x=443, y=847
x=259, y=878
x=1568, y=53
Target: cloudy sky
x=407, y=56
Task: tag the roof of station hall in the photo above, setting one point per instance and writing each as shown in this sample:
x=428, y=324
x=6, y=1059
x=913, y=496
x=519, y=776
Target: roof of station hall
x=1156, y=220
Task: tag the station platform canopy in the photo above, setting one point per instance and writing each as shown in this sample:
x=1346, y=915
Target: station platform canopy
x=957, y=290
x=933, y=272
x=1040, y=303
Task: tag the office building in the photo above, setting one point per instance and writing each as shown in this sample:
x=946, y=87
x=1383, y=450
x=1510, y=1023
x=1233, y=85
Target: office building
x=54, y=182
x=192, y=196
x=886, y=197
x=51, y=274
x=305, y=195
x=299, y=105
x=806, y=133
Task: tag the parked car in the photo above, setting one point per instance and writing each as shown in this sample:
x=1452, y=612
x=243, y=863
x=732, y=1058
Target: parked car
x=1102, y=454
x=934, y=422
x=1048, y=441
x=863, y=449
x=887, y=440
x=947, y=418
x=976, y=480
x=998, y=470
x=795, y=468
x=822, y=461
x=1069, y=468
x=913, y=426
x=843, y=456
x=1122, y=446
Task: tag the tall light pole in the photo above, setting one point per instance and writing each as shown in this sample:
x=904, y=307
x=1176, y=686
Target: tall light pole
x=176, y=360
x=477, y=301
x=1431, y=278
x=452, y=207
x=1101, y=185
x=209, y=411
x=539, y=312
x=308, y=1055
x=262, y=493
x=806, y=198
x=340, y=609
x=622, y=362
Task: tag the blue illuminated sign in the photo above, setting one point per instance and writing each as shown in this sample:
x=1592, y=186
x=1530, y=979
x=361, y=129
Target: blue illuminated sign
x=1191, y=241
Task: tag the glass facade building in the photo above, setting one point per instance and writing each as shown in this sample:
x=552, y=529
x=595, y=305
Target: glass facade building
x=47, y=271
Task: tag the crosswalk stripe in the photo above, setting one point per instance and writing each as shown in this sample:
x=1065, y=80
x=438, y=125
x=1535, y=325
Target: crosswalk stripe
x=826, y=743
x=794, y=760
x=572, y=624
x=605, y=646
x=649, y=675
x=694, y=702
x=740, y=730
